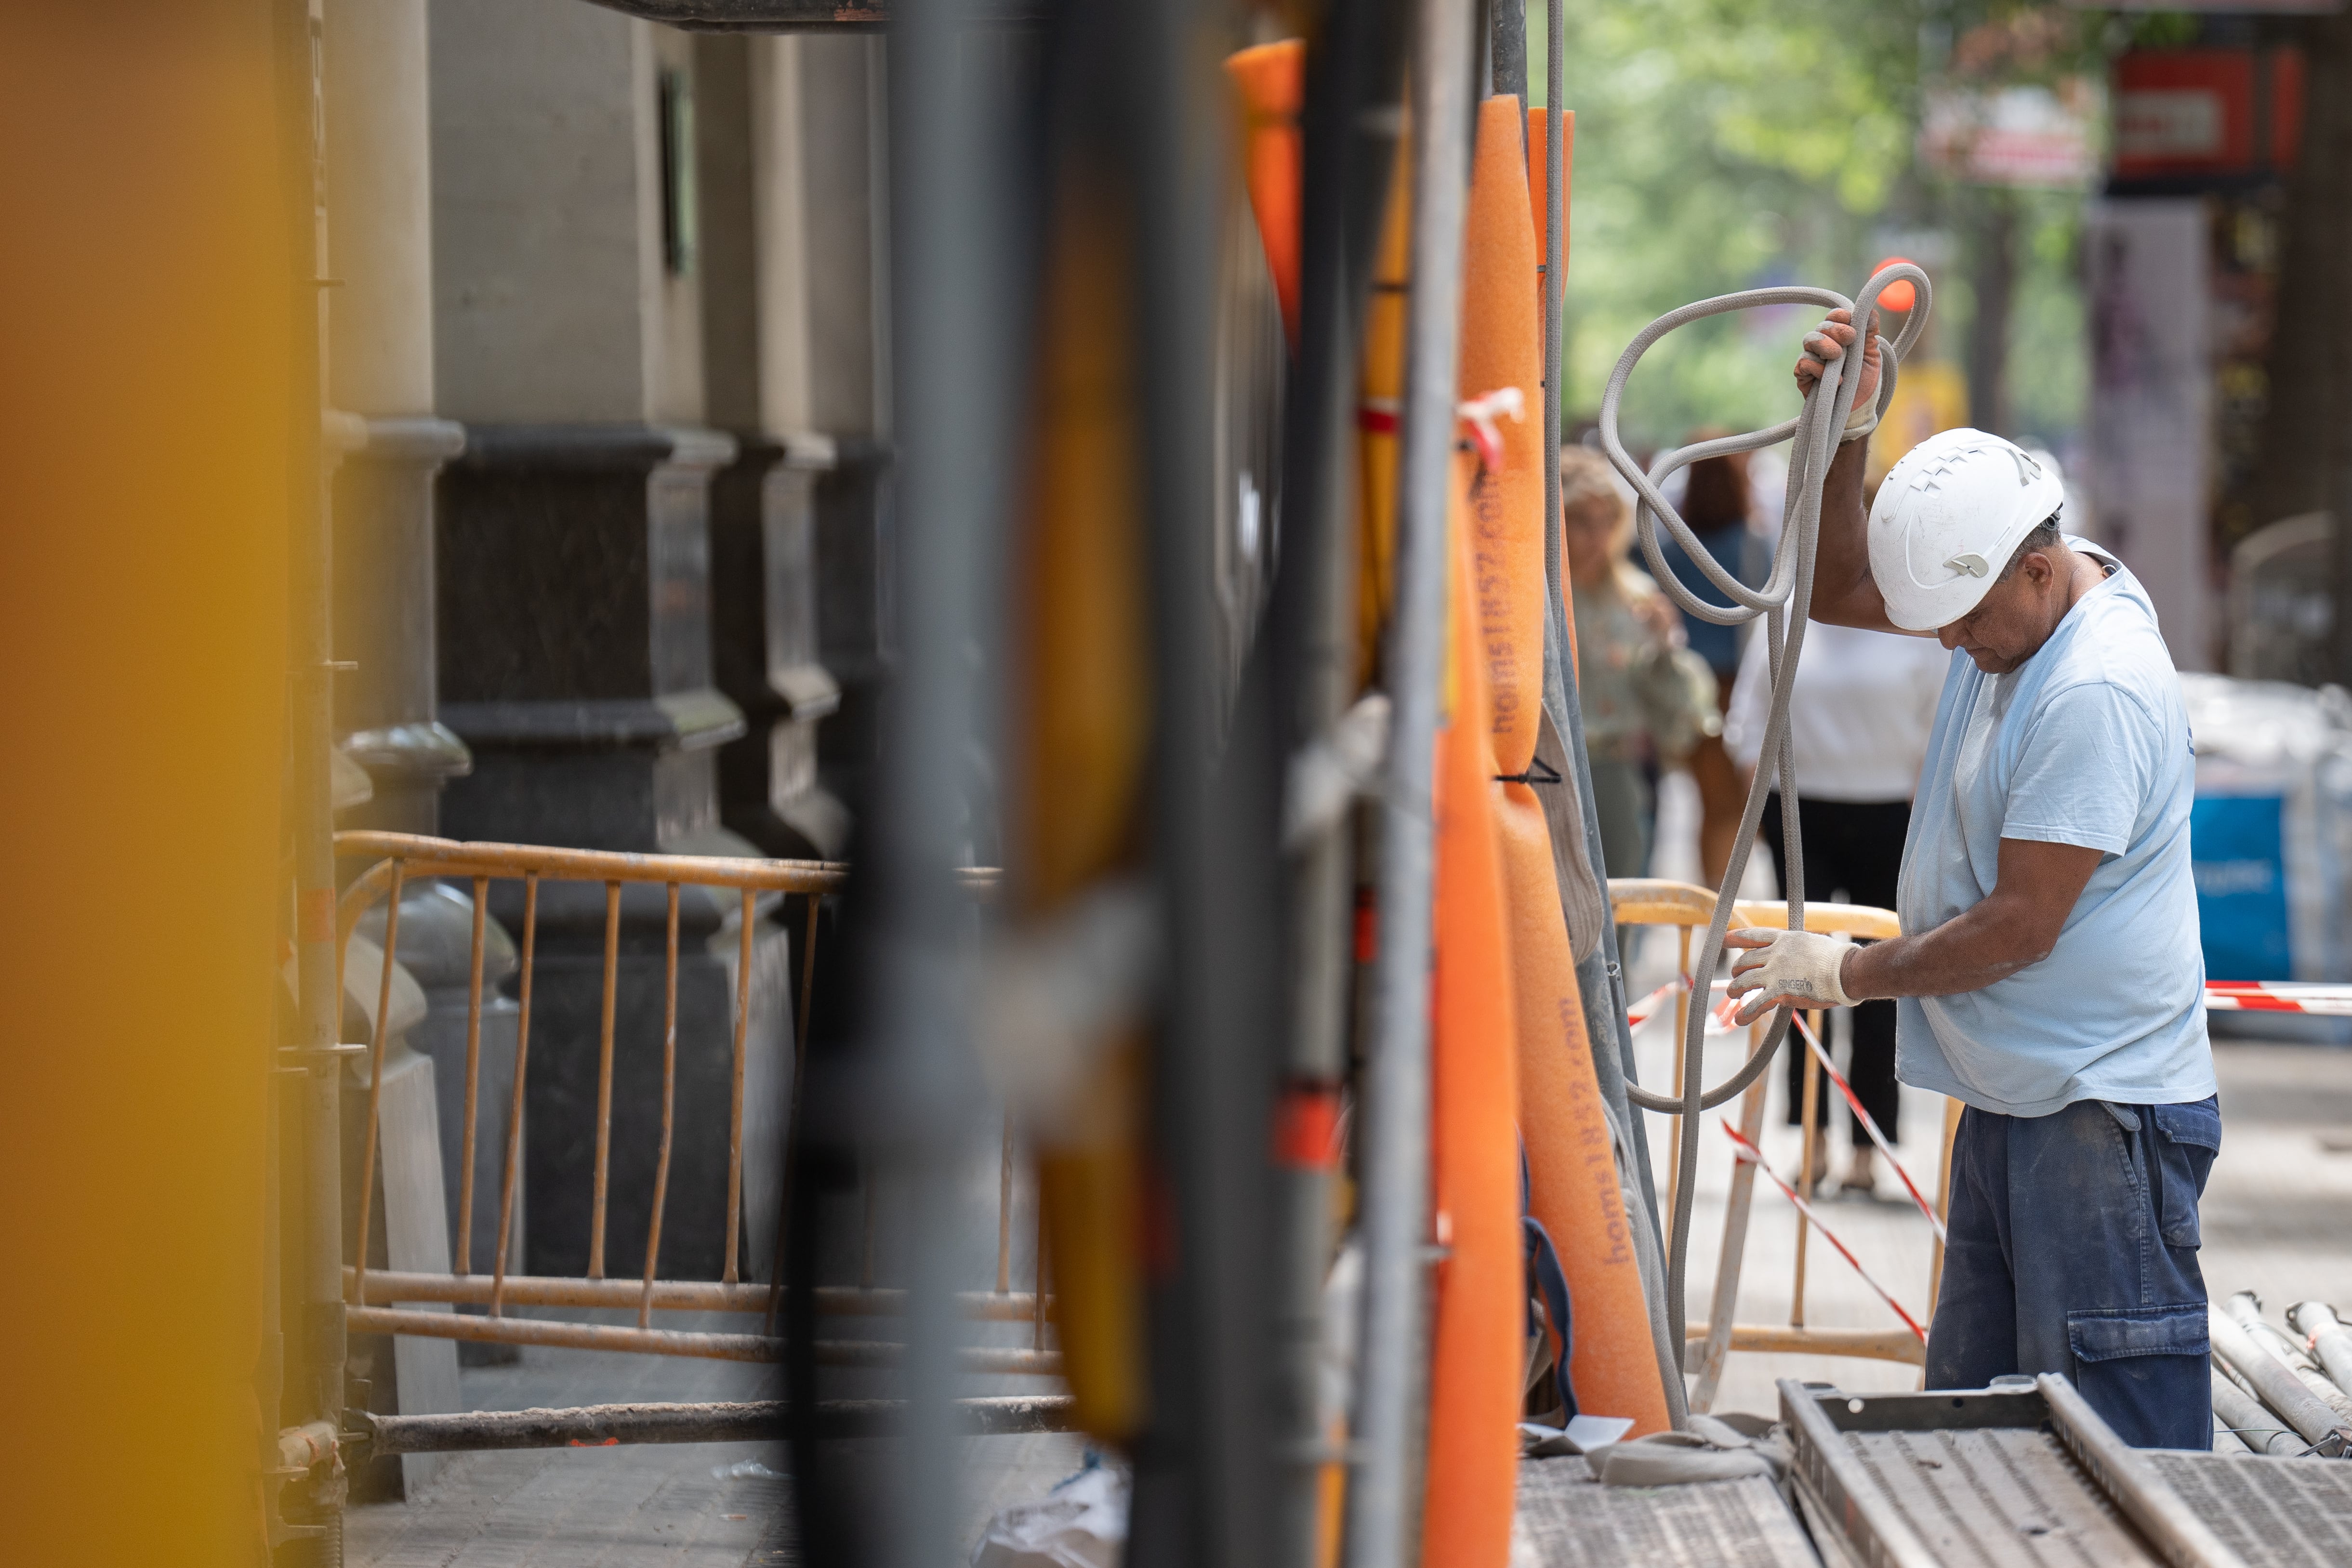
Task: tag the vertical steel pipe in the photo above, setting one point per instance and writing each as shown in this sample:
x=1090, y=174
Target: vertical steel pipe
x=511, y=1180
x=669, y=1108
x=465, y=1258
x=2330, y=1341
x=1037, y=1290
x=955, y=314
x=1506, y=51
x=320, y=1351
x=1005, y=1211
x=1809, y=1146
x=1384, y=1504
x=1354, y=79
x=808, y=985
x=375, y=1078
x=735, y=1100
x=792, y=1114
x=1600, y=974
x=605, y=1079
x=1952, y=1109
x=1682, y=1020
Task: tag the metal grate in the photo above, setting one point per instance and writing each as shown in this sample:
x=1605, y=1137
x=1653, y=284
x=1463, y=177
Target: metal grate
x=2275, y=1513
x=1997, y=1495
x=1567, y=1520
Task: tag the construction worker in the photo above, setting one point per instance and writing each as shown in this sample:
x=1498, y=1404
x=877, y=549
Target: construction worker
x=2050, y=975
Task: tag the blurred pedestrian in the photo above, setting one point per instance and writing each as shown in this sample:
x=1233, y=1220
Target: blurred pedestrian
x=1859, y=717
x=1647, y=700
x=1719, y=507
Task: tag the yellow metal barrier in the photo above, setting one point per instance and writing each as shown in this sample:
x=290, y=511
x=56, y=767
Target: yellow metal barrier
x=1647, y=900
x=372, y=1296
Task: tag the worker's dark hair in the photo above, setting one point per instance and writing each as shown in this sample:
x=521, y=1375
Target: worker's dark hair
x=2045, y=535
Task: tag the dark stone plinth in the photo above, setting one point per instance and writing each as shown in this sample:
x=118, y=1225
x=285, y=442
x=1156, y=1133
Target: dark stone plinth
x=437, y=931
x=764, y=620
x=852, y=608
x=574, y=629
x=575, y=645
x=386, y=708
x=560, y=1101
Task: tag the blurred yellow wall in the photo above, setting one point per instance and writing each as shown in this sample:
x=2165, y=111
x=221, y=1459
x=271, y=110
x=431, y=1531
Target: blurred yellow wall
x=143, y=505
x=1930, y=396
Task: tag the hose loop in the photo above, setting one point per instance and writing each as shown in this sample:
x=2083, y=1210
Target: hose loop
x=1783, y=604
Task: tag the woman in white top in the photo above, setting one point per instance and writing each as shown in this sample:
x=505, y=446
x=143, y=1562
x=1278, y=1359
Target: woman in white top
x=1858, y=721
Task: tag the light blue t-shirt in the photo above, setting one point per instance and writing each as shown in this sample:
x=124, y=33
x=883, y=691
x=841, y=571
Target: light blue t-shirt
x=2085, y=742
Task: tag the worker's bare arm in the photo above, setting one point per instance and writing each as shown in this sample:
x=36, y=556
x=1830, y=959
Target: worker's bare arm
x=1844, y=593
x=2017, y=924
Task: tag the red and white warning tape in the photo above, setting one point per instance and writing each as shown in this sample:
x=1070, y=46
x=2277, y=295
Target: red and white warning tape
x=1853, y=1104
x=2319, y=997
x=1755, y=1156
x=2278, y=996
x=1641, y=1012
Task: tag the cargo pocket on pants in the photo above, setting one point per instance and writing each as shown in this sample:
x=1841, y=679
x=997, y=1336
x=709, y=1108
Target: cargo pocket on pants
x=2188, y=1138
x=2147, y=1370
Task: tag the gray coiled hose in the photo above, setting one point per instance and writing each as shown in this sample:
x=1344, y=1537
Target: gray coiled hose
x=1783, y=602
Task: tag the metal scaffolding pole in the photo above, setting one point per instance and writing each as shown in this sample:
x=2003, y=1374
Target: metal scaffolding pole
x=954, y=320
x=1384, y=1504
x=1355, y=69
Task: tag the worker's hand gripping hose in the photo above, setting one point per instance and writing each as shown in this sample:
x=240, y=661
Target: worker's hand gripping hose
x=1782, y=603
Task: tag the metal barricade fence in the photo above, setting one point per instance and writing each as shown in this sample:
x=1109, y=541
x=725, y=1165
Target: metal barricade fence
x=372, y=1295
x=1645, y=901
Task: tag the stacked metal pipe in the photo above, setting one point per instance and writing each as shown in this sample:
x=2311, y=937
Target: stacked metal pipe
x=2274, y=1393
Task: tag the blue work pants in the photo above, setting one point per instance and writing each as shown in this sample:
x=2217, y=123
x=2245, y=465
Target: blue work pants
x=2072, y=1248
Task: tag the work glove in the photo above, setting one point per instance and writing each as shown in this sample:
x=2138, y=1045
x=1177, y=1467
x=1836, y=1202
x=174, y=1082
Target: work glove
x=1800, y=968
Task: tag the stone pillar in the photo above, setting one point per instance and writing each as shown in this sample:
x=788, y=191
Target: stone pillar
x=388, y=445
x=379, y=356
x=818, y=222
x=763, y=517
x=575, y=577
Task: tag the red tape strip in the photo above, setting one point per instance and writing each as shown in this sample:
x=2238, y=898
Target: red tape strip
x=1863, y=1117
x=1755, y=1156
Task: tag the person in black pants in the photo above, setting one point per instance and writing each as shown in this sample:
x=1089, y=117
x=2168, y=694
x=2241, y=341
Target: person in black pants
x=1859, y=715
x=1853, y=847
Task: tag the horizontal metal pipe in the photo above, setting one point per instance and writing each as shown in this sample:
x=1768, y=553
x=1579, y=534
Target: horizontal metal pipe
x=385, y=1287
x=453, y=857
x=2256, y=1427
x=674, y=1342
x=414, y=856
x=1874, y=1344
x=1653, y=901
x=2275, y=1383
x=2246, y=1308
x=459, y=857
x=763, y=1420
x=2329, y=1337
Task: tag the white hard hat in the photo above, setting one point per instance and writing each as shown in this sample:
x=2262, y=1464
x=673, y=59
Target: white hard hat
x=1946, y=517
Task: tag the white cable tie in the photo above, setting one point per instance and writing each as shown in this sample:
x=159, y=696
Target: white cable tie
x=1482, y=412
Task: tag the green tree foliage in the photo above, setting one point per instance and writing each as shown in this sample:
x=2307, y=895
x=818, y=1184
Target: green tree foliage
x=1726, y=144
